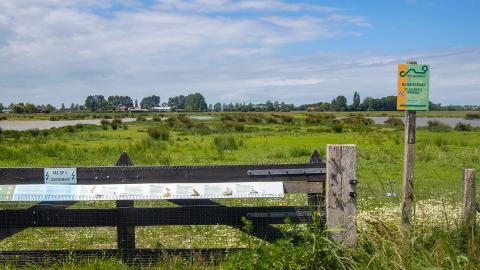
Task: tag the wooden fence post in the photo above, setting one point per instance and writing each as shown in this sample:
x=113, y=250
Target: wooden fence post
x=341, y=193
x=125, y=234
x=408, y=169
x=469, y=209
x=316, y=201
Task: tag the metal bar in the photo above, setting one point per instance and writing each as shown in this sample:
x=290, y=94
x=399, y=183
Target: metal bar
x=188, y=215
x=167, y=174
x=285, y=172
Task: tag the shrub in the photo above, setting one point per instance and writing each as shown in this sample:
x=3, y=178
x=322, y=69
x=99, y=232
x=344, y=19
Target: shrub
x=337, y=128
x=223, y=143
x=158, y=133
x=141, y=118
x=463, y=127
x=319, y=118
x=436, y=125
x=239, y=127
x=472, y=116
x=227, y=118
x=104, y=122
x=125, y=126
x=157, y=118
x=54, y=118
x=394, y=121
x=357, y=120
x=116, y=123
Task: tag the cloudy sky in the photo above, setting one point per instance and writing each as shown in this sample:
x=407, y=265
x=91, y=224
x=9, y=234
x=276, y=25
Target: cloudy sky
x=54, y=51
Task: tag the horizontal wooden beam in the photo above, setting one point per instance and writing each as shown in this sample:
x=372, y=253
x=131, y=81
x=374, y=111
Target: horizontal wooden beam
x=130, y=256
x=169, y=174
x=188, y=215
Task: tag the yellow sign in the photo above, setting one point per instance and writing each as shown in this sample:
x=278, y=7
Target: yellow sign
x=413, y=87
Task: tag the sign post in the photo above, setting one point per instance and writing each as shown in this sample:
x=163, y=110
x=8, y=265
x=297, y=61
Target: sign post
x=413, y=95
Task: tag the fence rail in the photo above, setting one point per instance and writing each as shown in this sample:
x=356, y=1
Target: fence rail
x=330, y=189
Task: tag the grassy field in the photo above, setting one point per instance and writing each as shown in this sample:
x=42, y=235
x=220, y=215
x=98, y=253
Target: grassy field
x=251, y=138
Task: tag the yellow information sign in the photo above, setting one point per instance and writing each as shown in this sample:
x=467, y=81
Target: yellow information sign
x=413, y=87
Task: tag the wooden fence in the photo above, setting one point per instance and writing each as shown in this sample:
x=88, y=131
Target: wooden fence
x=330, y=188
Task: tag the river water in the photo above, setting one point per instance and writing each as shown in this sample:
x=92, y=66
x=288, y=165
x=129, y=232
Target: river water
x=46, y=124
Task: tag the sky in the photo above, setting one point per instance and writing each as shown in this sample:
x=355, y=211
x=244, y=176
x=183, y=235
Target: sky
x=60, y=51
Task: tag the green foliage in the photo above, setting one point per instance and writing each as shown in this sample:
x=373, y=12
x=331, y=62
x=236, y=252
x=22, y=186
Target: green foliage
x=116, y=123
x=394, y=121
x=225, y=142
x=472, y=116
x=96, y=103
x=438, y=126
x=150, y=102
x=158, y=133
x=357, y=120
x=463, y=127
x=319, y=118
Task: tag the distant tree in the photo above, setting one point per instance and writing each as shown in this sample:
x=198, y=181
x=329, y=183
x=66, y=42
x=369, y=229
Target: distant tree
x=150, y=102
x=115, y=101
x=96, y=103
x=50, y=108
x=356, y=101
x=1, y=108
x=269, y=106
x=195, y=102
x=62, y=107
x=177, y=102
x=217, y=107
x=72, y=107
x=339, y=104
x=136, y=103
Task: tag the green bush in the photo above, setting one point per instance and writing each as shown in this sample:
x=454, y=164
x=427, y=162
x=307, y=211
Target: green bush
x=337, y=128
x=463, y=127
x=239, y=127
x=357, y=120
x=472, y=116
x=436, y=125
x=158, y=133
x=117, y=122
x=319, y=118
x=394, y=121
x=141, y=118
x=226, y=142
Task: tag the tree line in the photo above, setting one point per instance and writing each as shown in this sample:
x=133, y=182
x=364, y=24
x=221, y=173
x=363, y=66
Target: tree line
x=197, y=102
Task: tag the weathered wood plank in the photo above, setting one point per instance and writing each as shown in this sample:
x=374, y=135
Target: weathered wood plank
x=187, y=215
x=341, y=193
x=164, y=174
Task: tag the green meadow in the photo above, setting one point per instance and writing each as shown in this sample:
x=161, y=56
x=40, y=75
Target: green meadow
x=251, y=138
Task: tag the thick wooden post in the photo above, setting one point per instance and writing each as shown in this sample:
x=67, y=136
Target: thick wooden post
x=408, y=169
x=341, y=193
x=469, y=209
x=125, y=234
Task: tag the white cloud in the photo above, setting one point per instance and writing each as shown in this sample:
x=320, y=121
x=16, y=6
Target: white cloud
x=62, y=50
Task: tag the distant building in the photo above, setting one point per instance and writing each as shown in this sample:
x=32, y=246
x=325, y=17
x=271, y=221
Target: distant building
x=162, y=109
x=121, y=108
x=137, y=109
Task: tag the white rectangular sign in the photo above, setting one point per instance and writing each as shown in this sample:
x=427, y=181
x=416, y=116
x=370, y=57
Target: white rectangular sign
x=60, y=176
x=67, y=192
